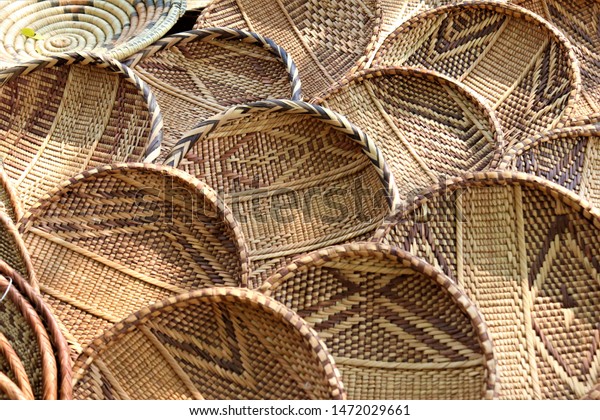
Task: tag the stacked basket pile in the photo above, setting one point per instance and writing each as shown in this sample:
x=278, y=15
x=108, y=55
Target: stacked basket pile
x=307, y=199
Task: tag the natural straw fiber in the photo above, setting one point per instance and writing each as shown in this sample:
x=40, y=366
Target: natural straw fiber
x=51, y=328
x=10, y=364
x=60, y=116
x=14, y=251
x=219, y=343
x=199, y=73
x=327, y=38
x=9, y=390
x=297, y=176
x=196, y=4
x=22, y=327
x=569, y=157
x=578, y=21
x=523, y=66
x=396, y=327
x=426, y=125
x=9, y=199
x=114, y=239
x=525, y=250
x=117, y=28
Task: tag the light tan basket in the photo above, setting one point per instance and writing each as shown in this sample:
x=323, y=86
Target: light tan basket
x=525, y=250
x=219, y=343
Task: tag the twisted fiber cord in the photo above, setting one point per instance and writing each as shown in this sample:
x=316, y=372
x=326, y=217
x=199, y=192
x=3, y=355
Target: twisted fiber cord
x=11, y=390
x=224, y=34
x=337, y=121
x=14, y=250
x=96, y=363
x=16, y=367
x=9, y=197
x=57, y=338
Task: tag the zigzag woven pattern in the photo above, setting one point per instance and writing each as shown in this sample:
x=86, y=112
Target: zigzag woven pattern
x=525, y=251
x=219, y=343
x=196, y=74
x=524, y=67
x=80, y=110
x=117, y=238
x=396, y=327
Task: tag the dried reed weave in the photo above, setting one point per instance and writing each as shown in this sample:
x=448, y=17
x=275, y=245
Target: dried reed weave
x=199, y=73
x=297, y=176
x=14, y=251
x=60, y=116
x=426, y=125
x=327, y=38
x=219, y=343
x=117, y=28
x=9, y=199
x=523, y=66
x=114, y=239
x=396, y=327
x=525, y=250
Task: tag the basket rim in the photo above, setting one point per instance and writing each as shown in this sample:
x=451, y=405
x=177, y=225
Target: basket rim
x=154, y=141
x=15, y=365
x=216, y=295
x=10, y=230
x=320, y=257
x=510, y=10
x=223, y=34
x=431, y=75
x=223, y=210
x=10, y=389
x=283, y=106
x=11, y=193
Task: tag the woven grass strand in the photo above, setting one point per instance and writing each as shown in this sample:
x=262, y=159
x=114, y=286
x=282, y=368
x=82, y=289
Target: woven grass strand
x=218, y=343
x=298, y=177
x=396, y=326
x=327, y=38
x=14, y=251
x=115, y=28
x=199, y=73
x=62, y=115
x=12, y=366
x=525, y=251
x=524, y=67
x=426, y=125
x=10, y=390
x=116, y=238
x=9, y=199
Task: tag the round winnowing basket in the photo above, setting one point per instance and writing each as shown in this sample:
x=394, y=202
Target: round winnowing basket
x=426, y=125
x=60, y=116
x=396, y=326
x=523, y=66
x=219, y=343
x=327, y=38
x=34, y=356
x=525, y=250
x=569, y=157
x=34, y=29
x=578, y=21
x=199, y=73
x=115, y=239
x=298, y=177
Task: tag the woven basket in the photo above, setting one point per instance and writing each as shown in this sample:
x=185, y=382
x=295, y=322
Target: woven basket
x=426, y=125
x=61, y=116
x=569, y=157
x=396, y=327
x=327, y=38
x=531, y=85
x=196, y=4
x=34, y=355
x=14, y=251
x=197, y=74
x=525, y=250
x=114, y=239
x=219, y=343
x=578, y=21
x=117, y=28
x=297, y=176
x=9, y=199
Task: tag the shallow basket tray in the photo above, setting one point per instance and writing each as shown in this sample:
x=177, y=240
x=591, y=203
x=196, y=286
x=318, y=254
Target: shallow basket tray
x=328, y=39
x=116, y=28
x=531, y=85
x=426, y=125
x=525, y=250
x=396, y=326
x=297, y=176
x=117, y=238
x=196, y=74
x=60, y=116
x=34, y=355
x=219, y=343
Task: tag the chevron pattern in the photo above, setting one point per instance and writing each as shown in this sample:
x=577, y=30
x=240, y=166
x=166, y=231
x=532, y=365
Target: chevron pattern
x=526, y=253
